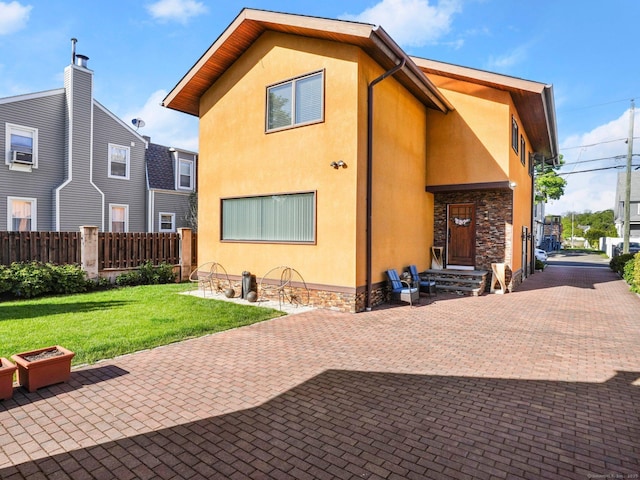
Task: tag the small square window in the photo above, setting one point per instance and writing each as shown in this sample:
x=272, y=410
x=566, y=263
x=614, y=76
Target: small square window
x=119, y=161
x=167, y=222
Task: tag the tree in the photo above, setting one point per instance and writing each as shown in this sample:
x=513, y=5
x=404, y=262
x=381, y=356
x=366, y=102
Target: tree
x=191, y=217
x=548, y=184
x=601, y=224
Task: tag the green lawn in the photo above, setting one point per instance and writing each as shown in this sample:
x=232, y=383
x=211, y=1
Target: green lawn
x=108, y=323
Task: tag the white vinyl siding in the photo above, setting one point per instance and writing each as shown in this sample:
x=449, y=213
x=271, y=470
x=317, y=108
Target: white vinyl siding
x=273, y=218
x=118, y=218
x=119, y=158
x=295, y=102
x=21, y=214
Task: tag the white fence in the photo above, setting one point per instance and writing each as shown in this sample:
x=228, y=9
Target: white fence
x=607, y=243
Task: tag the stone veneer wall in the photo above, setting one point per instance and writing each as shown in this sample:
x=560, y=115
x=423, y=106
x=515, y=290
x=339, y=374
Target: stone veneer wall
x=322, y=297
x=494, y=225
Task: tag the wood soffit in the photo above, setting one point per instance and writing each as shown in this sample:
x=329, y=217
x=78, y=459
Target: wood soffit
x=250, y=24
x=529, y=97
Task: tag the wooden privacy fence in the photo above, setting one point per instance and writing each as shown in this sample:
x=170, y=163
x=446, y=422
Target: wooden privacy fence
x=54, y=247
x=100, y=251
x=128, y=250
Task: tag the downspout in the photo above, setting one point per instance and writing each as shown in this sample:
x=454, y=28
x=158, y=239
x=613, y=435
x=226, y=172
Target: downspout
x=532, y=262
x=370, y=172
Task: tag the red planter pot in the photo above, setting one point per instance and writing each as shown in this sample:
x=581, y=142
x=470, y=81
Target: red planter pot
x=35, y=374
x=7, y=370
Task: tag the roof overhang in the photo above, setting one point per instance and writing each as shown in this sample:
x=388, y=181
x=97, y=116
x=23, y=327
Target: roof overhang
x=533, y=101
x=470, y=187
x=250, y=24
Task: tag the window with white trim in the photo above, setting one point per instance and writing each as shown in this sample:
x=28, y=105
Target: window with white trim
x=523, y=150
x=514, y=134
x=273, y=218
x=167, y=222
x=118, y=218
x=185, y=174
x=295, y=102
x=119, y=158
x=21, y=214
x=21, y=147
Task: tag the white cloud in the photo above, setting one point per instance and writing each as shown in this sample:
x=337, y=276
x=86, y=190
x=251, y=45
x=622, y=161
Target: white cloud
x=165, y=126
x=504, y=62
x=595, y=190
x=411, y=23
x=177, y=10
x=13, y=17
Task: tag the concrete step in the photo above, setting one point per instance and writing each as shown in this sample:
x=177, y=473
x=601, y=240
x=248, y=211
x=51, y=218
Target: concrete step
x=475, y=291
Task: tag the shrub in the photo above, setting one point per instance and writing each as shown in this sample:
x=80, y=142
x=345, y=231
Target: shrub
x=617, y=263
x=68, y=279
x=32, y=279
x=628, y=272
x=635, y=278
x=147, y=274
x=6, y=282
x=539, y=265
x=129, y=279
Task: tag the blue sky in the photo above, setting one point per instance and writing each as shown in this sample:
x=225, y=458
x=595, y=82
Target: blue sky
x=139, y=50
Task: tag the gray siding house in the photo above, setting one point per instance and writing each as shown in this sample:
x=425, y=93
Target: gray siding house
x=68, y=161
x=171, y=177
x=634, y=216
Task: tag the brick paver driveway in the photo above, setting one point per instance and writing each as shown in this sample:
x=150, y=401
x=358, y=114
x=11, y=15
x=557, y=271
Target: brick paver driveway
x=543, y=382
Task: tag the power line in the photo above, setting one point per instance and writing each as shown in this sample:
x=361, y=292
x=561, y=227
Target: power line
x=617, y=157
x=596, y=144
x=597, y=169
x=600, y=104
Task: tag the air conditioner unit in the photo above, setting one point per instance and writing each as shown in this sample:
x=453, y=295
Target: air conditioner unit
x=21, y=157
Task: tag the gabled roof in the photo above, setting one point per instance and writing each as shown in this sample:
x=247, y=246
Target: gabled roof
x=250, y=24
x=533, y=100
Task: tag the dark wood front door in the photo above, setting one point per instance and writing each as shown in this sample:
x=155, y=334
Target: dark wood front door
x=461, y=234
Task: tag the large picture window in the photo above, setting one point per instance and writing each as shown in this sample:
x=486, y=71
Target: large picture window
x=273, y=218
x=295, y=102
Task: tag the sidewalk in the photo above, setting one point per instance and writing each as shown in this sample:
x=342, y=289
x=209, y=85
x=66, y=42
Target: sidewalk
x=543, y=382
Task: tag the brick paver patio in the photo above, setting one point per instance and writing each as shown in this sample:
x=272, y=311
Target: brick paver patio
x=543, y=382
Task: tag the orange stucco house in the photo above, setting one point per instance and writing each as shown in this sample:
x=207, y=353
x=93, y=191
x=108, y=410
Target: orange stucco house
x=325, y=147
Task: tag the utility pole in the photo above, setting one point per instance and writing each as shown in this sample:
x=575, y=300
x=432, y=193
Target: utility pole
x=627, y=196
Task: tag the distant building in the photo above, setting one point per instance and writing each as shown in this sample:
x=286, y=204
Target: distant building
x=634, y=218
x=552, y=233
x=68, y=161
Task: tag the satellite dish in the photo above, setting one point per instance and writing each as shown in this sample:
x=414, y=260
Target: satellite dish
x=138, y=123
